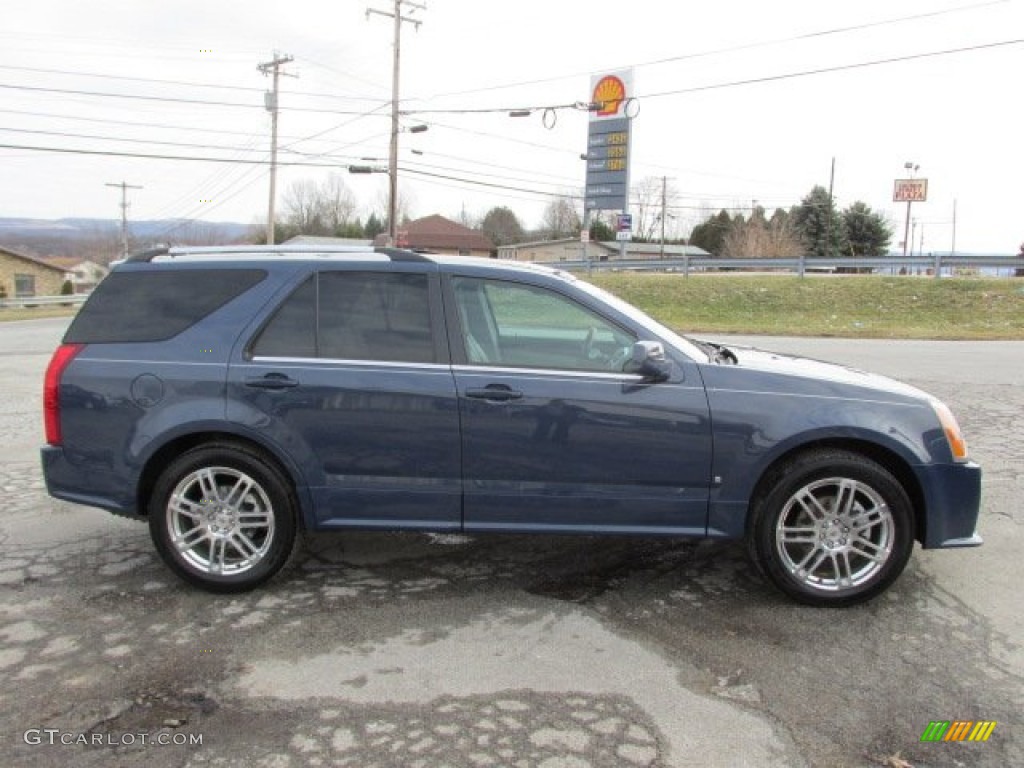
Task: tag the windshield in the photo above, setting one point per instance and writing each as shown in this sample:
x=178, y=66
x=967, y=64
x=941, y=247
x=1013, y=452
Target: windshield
x=683, y=344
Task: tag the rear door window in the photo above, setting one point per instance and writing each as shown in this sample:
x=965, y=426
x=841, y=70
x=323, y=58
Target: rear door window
x=345, y=315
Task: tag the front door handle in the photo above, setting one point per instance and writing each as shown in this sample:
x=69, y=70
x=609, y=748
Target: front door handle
x=271, y=381
x=495, y=392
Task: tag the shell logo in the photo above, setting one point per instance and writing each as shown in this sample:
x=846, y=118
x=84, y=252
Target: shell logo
x=609, y=92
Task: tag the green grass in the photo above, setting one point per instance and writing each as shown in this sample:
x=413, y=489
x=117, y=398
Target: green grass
x=35, y=313
x=848, y=306
x=854, y=306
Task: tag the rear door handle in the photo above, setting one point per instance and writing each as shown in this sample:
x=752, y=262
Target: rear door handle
x=495, y=392
x=271, y=381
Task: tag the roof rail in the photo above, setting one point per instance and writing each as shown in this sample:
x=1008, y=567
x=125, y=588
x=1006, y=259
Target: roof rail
x=401, y=254
x=395, y=254
x=267, y=250
x=149, y=254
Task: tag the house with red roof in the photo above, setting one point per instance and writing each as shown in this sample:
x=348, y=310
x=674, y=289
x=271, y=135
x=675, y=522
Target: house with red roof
x=443, y=236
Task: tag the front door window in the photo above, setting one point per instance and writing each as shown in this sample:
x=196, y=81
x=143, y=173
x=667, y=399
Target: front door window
x=515, y=325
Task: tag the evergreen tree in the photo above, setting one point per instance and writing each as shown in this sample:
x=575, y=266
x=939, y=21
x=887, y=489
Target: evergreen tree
x=867, y=232
x=373, y=227
x=820, y=226
x=712, y=233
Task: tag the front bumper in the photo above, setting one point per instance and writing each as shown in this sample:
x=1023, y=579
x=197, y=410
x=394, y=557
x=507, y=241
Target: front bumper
x=952, y=500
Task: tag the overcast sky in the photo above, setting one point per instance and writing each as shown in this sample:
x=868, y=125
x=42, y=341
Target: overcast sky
x=721, y=142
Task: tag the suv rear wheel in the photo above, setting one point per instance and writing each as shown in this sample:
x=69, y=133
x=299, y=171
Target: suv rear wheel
x=223, y=518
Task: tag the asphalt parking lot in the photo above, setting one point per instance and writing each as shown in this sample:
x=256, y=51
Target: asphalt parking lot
x=409, y=650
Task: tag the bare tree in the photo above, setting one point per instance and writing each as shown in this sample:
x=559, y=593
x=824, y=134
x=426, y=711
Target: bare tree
x=302, y=206
x=337, y=204
x=560, y=218
x=403, y=205
x=649, y=196
x=759, y=238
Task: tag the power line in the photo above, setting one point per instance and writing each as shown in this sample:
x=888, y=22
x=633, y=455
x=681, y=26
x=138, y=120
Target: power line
x=118, y=139
x=140, y=124
x=172, y=99
x=211, y=182
x=157, y=81
x=583, y=106
x=190, y=220
x=411, y=171
x=720, y=51
x=153, y=156
x=825, y=70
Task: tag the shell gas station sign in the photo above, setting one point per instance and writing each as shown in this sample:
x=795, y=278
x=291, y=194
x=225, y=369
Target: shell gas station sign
x=608, y=146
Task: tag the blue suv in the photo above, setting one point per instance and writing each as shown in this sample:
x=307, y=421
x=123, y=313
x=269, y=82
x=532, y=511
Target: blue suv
x=236, y=397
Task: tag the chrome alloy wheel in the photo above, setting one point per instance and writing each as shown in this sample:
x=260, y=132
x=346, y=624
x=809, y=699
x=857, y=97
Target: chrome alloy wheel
x=835, y=534
x=220, y=521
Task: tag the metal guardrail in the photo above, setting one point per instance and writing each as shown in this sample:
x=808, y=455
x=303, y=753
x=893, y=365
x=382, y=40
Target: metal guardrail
x=932, y=264
x=43, y=301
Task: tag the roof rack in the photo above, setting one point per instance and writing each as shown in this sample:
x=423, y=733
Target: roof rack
x=395, y=254
x=402, y=254
x=149, y=254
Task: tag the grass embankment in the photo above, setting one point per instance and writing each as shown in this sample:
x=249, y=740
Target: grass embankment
x=856, y=306
x=35, y=313
x=852, y=306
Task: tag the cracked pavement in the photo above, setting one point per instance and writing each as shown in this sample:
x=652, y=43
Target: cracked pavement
x=446, y=650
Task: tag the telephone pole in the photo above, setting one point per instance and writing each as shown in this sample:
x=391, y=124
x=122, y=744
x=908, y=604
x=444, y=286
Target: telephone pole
x=664, y=184
x=270, y=101
x=124, y=214
x=395, y=14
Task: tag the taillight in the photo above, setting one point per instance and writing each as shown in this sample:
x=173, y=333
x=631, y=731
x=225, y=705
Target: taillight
x=64, y=354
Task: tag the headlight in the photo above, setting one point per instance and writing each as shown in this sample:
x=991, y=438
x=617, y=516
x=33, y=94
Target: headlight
x=957, y=443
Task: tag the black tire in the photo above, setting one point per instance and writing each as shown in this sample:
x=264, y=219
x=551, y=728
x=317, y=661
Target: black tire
x=232, y=513
x=833, y=528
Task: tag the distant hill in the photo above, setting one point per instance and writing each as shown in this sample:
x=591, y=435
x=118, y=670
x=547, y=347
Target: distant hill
x=13, y=228
x=100, y=239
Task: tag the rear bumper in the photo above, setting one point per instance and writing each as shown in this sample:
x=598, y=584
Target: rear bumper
x=952, y=496
x=84, y=483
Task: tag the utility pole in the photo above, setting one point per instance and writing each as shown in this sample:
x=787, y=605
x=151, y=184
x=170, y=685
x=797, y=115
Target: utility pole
x=396, y=14
x=664, y=183
x=124, y=213
x=270, y=101
x=907, y=240
x=828, y=212
x=952, y=247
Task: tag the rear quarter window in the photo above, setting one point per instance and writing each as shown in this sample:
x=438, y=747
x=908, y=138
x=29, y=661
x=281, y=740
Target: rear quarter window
x=156, y=305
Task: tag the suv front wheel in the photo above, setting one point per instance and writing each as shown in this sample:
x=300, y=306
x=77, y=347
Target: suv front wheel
x=835, y=530
x=223, y=518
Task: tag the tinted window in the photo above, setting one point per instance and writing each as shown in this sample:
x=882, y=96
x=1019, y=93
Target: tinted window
x=353, y=316
x=291, y=332
x=156, y=305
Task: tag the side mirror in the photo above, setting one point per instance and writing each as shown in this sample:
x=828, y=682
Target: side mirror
x=648, y=360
